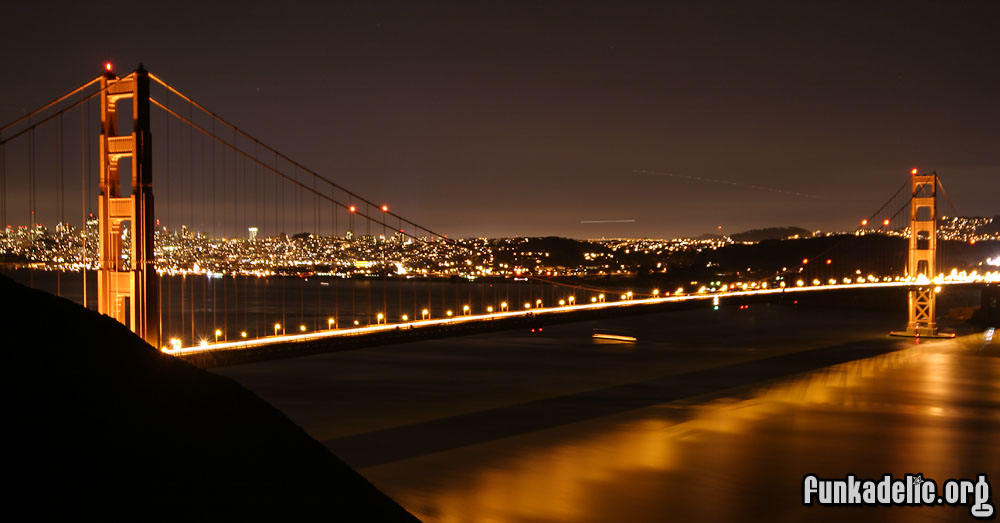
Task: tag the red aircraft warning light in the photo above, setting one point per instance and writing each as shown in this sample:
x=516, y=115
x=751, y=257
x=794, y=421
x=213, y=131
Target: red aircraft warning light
x=864, y=222
x=353, y=208
x=885, y=222
x=805, y=261
x=107, y=66
x=385, y=208
x=913, y=171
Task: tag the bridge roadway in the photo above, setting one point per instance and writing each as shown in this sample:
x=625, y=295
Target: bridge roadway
x=226, y=352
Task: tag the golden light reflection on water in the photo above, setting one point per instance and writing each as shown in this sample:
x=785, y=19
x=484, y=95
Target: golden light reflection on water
x=872, y=416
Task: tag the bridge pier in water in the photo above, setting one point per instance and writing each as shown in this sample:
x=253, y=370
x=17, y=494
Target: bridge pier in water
x=922, y=256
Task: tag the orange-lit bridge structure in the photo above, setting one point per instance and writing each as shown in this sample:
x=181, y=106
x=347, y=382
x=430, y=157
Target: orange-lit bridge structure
x=214, y=182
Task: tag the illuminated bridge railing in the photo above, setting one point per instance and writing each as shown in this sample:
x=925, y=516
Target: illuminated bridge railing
x=506, y=311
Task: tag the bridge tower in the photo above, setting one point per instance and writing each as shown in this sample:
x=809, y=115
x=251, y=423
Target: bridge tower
x=127, y=292
x=922, y=255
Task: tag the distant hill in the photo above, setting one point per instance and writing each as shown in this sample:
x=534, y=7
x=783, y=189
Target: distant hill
x=991, y=228
x=99, y=422
x=560, y=251
x=771, y=233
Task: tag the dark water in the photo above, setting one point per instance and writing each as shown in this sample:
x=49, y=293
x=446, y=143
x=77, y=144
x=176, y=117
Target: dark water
x=709, y=416
x=193, y=307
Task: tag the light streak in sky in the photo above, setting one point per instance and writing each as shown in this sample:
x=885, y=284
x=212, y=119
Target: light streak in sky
x=725, y=182
x=607, y=221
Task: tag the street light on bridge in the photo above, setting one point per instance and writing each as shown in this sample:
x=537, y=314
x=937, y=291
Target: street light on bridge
x=276, y=327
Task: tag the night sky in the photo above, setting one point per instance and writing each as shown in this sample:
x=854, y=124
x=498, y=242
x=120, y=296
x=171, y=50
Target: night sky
x=509, y=118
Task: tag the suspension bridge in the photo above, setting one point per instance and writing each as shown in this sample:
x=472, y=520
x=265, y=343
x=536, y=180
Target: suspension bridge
x=247, y=248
